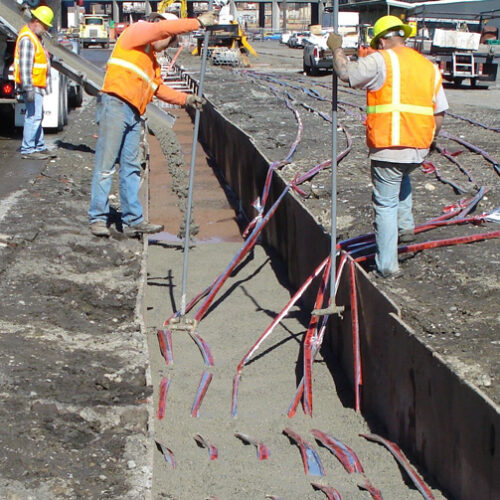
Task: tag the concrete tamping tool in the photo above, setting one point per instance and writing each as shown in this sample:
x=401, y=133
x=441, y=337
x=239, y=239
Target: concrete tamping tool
x=332, y=308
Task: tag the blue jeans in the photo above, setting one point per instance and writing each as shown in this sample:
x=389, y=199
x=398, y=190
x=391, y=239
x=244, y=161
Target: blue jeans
x=33, y=131
x=118, y=141
x=392, y=204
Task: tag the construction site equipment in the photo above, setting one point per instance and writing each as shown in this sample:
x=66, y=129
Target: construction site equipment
x=222, y=56
x=455, y=45
x=166, y=6
x=191, y=175
x=94, y=30
x=332, y=308
x=227, y=41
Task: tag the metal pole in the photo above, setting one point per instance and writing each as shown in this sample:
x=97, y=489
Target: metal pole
x=191, y=169
x=333, y=243
x=332, y=308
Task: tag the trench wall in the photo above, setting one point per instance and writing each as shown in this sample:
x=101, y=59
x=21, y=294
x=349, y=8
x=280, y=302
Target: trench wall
x=442, y=422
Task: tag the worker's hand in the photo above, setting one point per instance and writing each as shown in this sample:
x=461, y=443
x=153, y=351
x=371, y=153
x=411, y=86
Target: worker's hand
x=432, y=147
x=208, y=18
x=29, y=95
x=195, y=102
x=334, y=42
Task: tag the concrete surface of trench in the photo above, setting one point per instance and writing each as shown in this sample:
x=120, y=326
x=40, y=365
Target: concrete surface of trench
x=244, y=307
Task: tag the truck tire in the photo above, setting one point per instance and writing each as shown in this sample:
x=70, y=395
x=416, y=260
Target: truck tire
x=76, y=96
x=66, y=105
x=60, y=112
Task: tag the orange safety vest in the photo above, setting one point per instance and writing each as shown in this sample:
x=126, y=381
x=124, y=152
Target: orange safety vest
x=40, y=64
x=401, y=113
x=133, y=75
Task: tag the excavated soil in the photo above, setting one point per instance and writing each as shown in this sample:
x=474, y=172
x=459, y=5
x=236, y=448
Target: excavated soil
x=73, y=358
x=450, y=295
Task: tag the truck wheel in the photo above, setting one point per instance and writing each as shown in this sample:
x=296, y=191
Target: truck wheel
x=60, y=112
x=306, y=69
x=77, y=97
x=65, y=104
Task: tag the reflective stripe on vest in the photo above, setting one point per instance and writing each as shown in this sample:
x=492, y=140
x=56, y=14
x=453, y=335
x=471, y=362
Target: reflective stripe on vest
x=396, y=107
x=132, y=67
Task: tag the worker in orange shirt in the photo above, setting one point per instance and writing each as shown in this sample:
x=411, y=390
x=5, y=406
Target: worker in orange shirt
x=133, y=77
x=405, y=110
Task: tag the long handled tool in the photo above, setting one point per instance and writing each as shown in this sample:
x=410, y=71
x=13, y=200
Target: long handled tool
x=191, y=169
x=332, y=308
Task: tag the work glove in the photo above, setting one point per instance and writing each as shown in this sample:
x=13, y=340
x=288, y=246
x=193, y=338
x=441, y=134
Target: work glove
x=195, y=102
x=208, y=18
x=29, y=95
x=334, y=41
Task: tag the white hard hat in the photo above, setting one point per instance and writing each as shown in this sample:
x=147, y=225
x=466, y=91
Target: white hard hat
x=167, y=16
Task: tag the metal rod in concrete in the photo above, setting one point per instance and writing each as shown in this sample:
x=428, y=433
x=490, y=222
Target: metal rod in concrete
x=191, y=170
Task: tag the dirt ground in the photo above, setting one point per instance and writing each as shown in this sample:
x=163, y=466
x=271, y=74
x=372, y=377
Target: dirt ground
x=449, y=296
x=72, y=354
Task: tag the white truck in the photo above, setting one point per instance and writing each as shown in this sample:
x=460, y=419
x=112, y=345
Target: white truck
x=316, y=56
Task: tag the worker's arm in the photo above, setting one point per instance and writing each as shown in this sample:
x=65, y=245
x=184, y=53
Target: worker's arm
x=170, y=95
x=340, y=65
x=26, y=60
x=366, y=73
x=438, y=119
x=440, y=107
x=142, y=33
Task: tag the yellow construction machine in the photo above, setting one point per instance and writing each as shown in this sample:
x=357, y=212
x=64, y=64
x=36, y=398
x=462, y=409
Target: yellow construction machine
x=226, y=36
x=164, y=5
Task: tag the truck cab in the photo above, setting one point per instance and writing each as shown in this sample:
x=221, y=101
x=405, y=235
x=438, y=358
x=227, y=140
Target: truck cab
x=94, y=30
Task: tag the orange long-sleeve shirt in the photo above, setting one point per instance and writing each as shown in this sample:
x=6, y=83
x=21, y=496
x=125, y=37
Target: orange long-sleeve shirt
x=134, y=47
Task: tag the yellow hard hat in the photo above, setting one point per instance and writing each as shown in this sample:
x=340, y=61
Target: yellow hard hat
x=386, y=24
x=44, y=14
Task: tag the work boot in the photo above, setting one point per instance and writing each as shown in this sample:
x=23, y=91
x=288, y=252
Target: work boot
x=35, y=156
x=99, y=228
x=386, y=277
x=48, y=152
x=406, y=236
x=143, y=228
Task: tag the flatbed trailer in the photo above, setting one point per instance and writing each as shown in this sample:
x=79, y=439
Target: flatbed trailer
x=456, y=66
x=455, y=46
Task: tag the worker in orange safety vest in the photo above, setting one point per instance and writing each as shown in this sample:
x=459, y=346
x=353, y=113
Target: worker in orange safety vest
x=133, y=77
x=405, y=110
x=32, y=77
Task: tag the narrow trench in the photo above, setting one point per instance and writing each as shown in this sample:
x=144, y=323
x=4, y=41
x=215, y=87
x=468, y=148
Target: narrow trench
x=243, y=309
